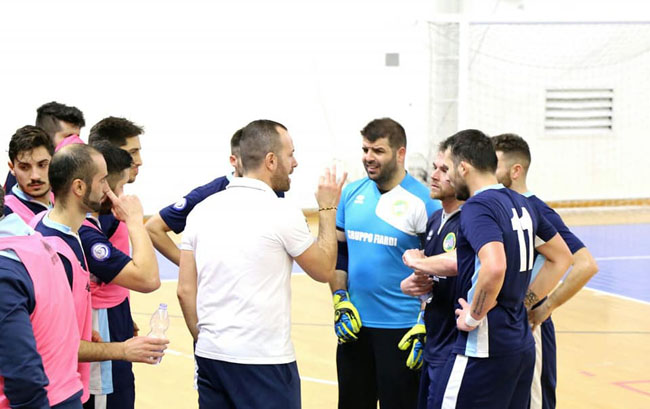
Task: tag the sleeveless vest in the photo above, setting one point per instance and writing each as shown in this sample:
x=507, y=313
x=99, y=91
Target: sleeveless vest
x=53, y=319
x=80, y=296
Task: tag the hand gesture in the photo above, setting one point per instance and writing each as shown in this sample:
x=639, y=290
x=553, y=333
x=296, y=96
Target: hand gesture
x=329, y=189
x=538, y=315
x=126, y=208
x=410, y=255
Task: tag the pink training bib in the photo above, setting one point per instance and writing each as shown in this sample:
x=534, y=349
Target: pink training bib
x=53, y=320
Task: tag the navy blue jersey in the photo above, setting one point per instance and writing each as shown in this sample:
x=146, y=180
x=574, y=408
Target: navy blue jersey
x=10, y=181
x=551, y=215
x=439, y=317
x=33, y=205
x=47, y=227
x=108, y=223
x=175, y=215
x=497, y=214
x=104, y=260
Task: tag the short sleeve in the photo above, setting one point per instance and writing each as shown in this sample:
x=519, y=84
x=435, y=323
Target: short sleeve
x=104, y=260
x=479, y=225
x=294, y=232
x=340, y=211
x=571, y=239
x=175, y=215
x=545, y=231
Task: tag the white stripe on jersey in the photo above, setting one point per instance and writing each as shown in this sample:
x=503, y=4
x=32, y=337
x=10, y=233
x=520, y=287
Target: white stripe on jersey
x=536, y=387
x=453, y=384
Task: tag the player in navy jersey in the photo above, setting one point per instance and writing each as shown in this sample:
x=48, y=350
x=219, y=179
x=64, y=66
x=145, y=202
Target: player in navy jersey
x=115, y=273
x=434, y=281
x=59, y=121
x=493, y=357
x=174, y=216
x=30, y=153
x=514, y=158
x=378, y=218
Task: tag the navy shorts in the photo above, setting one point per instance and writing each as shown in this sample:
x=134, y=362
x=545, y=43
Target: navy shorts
x=73, y=402
x=429, y=378
x=542, y=392
x=501, y=382
x=227, y=385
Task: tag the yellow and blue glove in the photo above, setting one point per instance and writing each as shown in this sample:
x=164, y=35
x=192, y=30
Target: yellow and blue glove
x=415, y=339
x=347, y=322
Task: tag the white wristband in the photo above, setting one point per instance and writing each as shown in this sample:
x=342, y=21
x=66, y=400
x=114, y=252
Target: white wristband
x=471, y=322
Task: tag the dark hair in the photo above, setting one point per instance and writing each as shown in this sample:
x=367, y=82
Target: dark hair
x=235, y=141
x=258, y=138
x=2, y=199
x=114, y=130
x=116, y=159
x=70, y=163
x=512, y=144
x=446, y=143
x=28, y=138
x=385, y=128
x=474, y=147
x=48, y=117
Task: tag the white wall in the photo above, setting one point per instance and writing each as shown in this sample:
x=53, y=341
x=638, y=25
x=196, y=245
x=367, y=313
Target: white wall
x=192, y=72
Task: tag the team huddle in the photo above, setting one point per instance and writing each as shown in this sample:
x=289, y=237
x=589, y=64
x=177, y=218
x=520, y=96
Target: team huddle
x=442, y=296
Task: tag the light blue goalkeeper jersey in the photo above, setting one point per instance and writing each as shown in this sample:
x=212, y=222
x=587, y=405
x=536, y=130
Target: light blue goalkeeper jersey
x=378, y=229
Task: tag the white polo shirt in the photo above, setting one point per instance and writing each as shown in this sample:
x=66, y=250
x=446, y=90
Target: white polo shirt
x=244, y=240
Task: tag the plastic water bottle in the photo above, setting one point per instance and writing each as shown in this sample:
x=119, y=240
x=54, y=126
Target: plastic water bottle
x=159, y=323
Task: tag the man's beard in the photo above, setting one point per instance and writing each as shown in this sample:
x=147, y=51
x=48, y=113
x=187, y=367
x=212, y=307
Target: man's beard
x=91, y=204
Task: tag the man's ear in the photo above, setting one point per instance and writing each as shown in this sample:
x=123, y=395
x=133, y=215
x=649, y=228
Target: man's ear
x=271, y=161
x=11, y=168
x=463, y=168
x=401, y=155
x=78, y=187
x=516, y=171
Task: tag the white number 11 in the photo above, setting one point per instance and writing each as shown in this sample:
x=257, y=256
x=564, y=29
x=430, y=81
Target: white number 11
x=521, y=224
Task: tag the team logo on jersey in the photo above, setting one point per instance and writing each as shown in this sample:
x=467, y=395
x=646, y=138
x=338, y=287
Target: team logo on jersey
x=359, y=199
x=430, y=235
x=400, y=207
x=100, y=251
x=180, y=205
x=449, y=243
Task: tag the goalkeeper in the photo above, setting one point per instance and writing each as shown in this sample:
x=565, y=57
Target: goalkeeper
x=437, y=261
x=378, y=218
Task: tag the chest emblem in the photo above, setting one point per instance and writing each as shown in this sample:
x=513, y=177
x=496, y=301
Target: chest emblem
x=359, y=199
x=400, y=207
x=449, y=243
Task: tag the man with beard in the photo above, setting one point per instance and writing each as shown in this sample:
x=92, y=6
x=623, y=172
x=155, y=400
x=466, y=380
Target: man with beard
x=434, y=281
x=61, y=123
x=30, y=153
x=235, y=273
x=174, y=217
x=112, y=382
x=378, y=218
x=512, y=170
x=492, y=359
x=80, y=182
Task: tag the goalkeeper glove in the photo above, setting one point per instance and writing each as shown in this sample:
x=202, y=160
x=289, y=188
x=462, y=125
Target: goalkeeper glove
x=415, y=339
x=347, y=322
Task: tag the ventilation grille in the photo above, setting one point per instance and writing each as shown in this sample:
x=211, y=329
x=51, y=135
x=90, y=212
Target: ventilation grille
x=579, y=110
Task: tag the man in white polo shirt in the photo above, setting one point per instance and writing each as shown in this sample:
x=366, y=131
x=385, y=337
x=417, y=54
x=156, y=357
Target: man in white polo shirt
x=234, y=281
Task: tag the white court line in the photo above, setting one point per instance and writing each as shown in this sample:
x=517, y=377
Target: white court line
x=622, y=258
x=304, y=378
x=601, y=292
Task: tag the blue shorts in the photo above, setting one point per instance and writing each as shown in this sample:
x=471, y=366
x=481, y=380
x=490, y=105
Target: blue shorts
x=488, y=383
x=227, y=385
x=542, y=392
x=429, y=378
x=73, y=402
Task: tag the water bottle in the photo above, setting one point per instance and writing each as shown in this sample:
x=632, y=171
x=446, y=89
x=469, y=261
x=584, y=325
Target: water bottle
x=159, y=323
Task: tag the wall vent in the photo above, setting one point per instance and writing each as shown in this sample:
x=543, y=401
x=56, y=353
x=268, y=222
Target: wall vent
x=579, y=110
